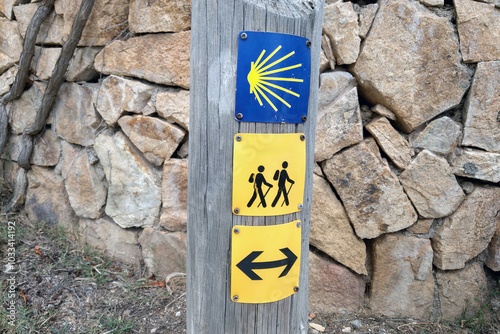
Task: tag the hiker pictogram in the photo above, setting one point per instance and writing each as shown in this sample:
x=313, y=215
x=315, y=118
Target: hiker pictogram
x=268, y=174
x=282, y=178
x=257, y=186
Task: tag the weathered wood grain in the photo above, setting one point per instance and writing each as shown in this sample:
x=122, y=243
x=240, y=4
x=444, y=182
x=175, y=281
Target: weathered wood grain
x=214, y=41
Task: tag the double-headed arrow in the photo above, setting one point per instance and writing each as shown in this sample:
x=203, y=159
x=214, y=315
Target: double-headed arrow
x=247, y=266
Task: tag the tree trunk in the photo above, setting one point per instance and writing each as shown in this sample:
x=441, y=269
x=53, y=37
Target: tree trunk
x=214, y=42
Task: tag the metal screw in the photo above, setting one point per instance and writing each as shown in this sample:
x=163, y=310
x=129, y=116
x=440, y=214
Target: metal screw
x=239, y=115
x=238, y=138
x=302, y=137
x=295, y=288
x=301, y=206
x=236, y=210
x=308, y=43
x=299, y=224
x=243, y=35
x=236, y=230
x=235, y=298
x=304, y=118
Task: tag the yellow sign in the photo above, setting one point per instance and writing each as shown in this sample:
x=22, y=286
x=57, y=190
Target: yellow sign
x=265, y=262
x=268, y=173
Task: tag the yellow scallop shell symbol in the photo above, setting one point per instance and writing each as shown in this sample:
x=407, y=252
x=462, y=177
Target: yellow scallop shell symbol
x=260, y=81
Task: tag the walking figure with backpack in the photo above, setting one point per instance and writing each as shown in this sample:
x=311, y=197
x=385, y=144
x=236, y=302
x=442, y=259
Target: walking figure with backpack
x=257, y=187
x=283, y=178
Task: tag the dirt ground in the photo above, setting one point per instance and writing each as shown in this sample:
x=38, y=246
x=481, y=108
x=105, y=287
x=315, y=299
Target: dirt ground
x=56, y=286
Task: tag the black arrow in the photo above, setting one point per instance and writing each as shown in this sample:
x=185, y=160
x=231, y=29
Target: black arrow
x=247, y=266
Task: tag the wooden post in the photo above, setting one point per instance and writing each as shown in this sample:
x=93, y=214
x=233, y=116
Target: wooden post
x=216, y=25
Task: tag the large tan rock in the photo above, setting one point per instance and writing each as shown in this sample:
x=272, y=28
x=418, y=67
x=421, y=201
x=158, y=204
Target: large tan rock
x=154, y=137
x=340, y=24
x=44, y=62
x=7, y=79
x=167, y=60
x=85, y=185
x=10, y=170
x=331, y=231
x=421, y=75
x=81, y=67
x=46, y=149
x=159, y=16
x=11, y=44
x=163, y=252
x=422, y=226
x=13, y=147
x=461, y=292
x=326, y=47
x=478, y=26
x=69, y=153
x=332, y=84
x=384, y=111
x=338, y=123
x=478, y=165
x=107, y=19
x=482, y=109
x=333, y=288
x=431, y=185
x=372, y=196
x=134, y=189
x=118, y=95
x=366, y=16
x=46, y=198
x=493, y=253
x=402, y=282
x=174, y=107
x=52, y=29
x=467, y=232
x=76, y=120
x=391, y=141
x=24, y=109
x=103, y=234
x=174, y=195
x=6, y=7
x=440, y=136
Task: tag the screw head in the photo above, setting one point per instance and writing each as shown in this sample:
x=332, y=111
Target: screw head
x=235, y=298
x=236, y=210
x=236, y=230
x=243, y=35
x=300, y=206
x=303, y=118
x=239, y=115
x=299, y=224
x=302, y=137
x=308, y=43
x=238, y=138
x=296, y=289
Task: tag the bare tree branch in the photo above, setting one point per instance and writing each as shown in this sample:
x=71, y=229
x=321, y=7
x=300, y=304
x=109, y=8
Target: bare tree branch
x=24, y=65
x=55, y=81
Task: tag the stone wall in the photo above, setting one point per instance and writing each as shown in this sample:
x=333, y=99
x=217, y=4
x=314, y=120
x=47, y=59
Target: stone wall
x=405, y=217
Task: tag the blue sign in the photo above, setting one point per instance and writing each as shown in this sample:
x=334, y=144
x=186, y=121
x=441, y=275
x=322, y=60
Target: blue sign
x=273, y=78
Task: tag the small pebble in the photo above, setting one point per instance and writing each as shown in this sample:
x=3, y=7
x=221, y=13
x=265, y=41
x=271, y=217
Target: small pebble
x=346, y=330
x=356, y=324
x=178, y=314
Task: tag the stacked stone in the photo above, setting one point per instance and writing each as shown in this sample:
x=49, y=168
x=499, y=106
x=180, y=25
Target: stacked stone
x=411, y=205
x=111, y=163
x=405, y=218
